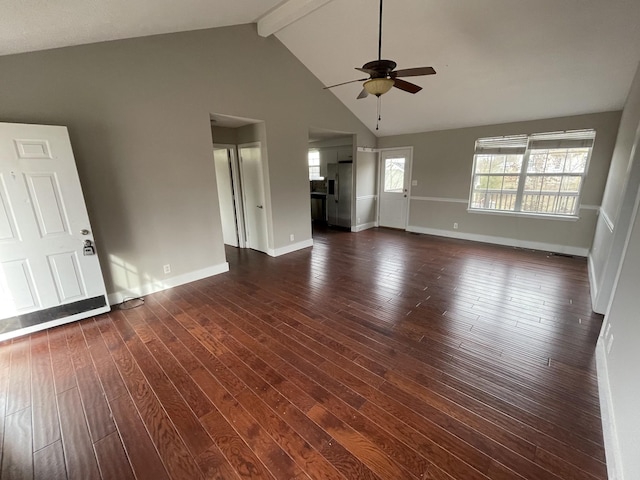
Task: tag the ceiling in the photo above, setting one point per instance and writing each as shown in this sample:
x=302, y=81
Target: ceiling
x=497, y=60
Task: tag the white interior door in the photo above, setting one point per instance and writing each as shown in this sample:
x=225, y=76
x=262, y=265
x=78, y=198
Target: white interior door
x=224, y=182
x=395, y=176
x=45, y=279
x=253, y=195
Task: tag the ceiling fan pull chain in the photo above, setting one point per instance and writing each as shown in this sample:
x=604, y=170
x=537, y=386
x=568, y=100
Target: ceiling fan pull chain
x=379, y=113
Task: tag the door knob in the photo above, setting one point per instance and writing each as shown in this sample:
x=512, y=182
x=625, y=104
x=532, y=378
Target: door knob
x=259, y=206
x=84, y=231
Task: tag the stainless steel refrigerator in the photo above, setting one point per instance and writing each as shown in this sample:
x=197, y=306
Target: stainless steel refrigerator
x=339, y=190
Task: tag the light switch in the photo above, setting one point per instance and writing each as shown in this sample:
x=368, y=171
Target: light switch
x=414, y=183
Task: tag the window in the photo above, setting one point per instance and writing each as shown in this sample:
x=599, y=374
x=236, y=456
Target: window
x=394, y=174
x=537, y=174
x=314, y=165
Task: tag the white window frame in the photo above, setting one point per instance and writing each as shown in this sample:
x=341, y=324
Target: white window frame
x=314, y=165
x=524, y=144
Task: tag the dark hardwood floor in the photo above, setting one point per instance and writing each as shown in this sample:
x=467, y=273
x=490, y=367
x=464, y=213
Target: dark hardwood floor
x=377, y=355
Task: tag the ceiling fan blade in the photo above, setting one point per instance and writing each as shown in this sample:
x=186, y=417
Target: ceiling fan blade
x=363, y=94
x=367, y=71
x=345, y=83
x=406, y=86
x=413, y=72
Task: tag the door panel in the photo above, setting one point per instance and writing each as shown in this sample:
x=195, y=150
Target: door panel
x=226, y=196
x=67, y=276
x=44, y=194
x=43, y=226
x=253, y=192
x=18, y=287
x=395, y=173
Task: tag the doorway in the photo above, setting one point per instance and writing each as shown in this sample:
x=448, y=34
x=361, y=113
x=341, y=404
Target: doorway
x=395, y=180
x=239, y=147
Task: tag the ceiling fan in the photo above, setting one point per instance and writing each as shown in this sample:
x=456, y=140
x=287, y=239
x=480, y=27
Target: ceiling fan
x=382, y=76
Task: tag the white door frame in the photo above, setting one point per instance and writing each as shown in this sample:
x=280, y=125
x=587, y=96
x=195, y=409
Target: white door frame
x=408, y=183
x=237, y=191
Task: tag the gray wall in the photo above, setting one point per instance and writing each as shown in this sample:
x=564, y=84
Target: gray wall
x=138, y=114
x=617, y=203
x=366, y=188
x=442, y=164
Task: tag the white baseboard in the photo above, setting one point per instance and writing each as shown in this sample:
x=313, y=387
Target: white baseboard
x=510, y=242
x=152, y=287
x=364, y=226
x=614, y=462
x=290, y=248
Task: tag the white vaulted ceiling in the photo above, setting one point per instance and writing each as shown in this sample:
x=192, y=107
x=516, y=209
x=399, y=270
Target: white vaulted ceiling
x=497, y=60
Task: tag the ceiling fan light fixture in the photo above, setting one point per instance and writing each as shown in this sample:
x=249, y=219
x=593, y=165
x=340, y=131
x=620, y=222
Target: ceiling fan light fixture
x=378, y=86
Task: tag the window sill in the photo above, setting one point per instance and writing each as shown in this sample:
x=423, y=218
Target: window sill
x=539, y=216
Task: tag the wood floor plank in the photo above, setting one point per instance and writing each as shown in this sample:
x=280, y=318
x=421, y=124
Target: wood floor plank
x=17, y=458
x=78, y=449
x=112, y=459
x=19, y=393
x=145, y=460
x=46, y=429
x=48, y=463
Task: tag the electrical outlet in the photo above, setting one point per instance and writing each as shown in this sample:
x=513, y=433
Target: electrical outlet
x=609, y=344
x=292, y=237
x=455, y=225
x=166, y=268
x=414, y=183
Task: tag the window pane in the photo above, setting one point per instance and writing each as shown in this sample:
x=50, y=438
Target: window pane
x=555, y=160
x=551, y=184
x=314, y=157
x=483, y=162
x=537, y=161
x=482, y=182
x=571, y=184
x=576, y=160
x=510, y=184
x=513, y=164
x=533, y=183
x=478, y=200
x=497, y=163
x=394, y=174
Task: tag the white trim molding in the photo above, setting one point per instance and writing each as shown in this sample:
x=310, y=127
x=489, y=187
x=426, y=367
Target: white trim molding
x=367, y=197
x=510, y=242
x=290, y=248
x=440, y=199
x=590, y=207
x=607, y=220
x=612, y=451
x=158, y=286
x=364, y=226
